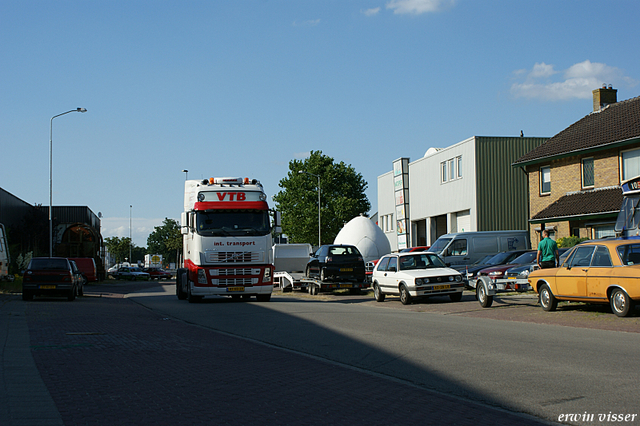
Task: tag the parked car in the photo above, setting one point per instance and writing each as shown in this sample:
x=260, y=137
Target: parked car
x=368, y=269
x=412, y=249
x=52, y=276
x=129, y=273
x=606, y=272
x=411, y=275
x=465, y=248
x=523, y=270
x=336, y=262
x=157, y=273
x=87, y=267
x=471, y=272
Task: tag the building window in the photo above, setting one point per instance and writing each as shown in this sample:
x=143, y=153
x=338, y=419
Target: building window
x=630, y=164
x=386, y=223
x=587, y=173
x=545, y=180
x=451, y=169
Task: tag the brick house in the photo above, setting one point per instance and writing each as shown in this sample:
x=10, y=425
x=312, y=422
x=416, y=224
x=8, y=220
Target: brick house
x=575, y=177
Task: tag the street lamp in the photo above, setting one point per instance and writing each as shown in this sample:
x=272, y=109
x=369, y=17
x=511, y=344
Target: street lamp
x=318, y=176
x=186, y=174
x=51, y=176
x=130, y=243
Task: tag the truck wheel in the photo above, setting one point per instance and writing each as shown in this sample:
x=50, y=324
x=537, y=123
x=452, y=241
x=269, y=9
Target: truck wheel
x=481, y=294
x=621, y=303
x=191, y=298
x=263, y=297
x=180, y=293
x=379, y=295
x=547, y=300
x=313, y=289
x=405, y=297
x=456, y=297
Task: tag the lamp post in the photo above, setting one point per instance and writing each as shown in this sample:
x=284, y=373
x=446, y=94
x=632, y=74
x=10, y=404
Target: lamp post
x=319, y=233
x=186, y=174
x=130, y=242
x=51, y=176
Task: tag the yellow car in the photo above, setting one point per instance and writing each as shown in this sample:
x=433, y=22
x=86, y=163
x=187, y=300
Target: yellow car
x=604, y=271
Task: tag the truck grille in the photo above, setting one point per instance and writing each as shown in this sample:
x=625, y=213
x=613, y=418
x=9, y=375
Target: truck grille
x=234, y=257
x=234, y=272
x=234, y=281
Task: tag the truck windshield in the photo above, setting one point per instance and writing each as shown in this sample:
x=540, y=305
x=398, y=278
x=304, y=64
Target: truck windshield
x=233, y=222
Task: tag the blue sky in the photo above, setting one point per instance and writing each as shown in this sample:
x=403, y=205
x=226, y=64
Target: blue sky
x=240, y=88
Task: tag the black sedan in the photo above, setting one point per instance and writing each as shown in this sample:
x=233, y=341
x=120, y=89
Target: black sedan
x=336, y=262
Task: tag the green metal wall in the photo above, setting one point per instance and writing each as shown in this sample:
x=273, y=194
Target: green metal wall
x=502, y=190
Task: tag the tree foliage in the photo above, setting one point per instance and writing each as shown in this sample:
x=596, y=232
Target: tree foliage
x=119, y=249
x=342, y=197
x=166, y=240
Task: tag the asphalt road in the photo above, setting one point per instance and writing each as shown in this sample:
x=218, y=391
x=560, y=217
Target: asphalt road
x=514, y=356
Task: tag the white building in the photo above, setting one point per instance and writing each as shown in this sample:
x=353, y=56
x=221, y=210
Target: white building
x=469, y=186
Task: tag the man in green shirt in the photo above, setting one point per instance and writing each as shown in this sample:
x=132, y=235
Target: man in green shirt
x=548, y=256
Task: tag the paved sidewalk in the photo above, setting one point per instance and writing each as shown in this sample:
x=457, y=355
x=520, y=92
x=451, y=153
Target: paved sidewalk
x=108, y=361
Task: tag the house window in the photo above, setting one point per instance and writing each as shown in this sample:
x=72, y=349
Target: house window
x=451, y=169
x=459, y=166
x=443, y=166
x=630, y=164
x=545, y=180
x=587, y=173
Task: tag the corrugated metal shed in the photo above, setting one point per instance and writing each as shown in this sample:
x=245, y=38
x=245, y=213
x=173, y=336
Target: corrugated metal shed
x=502, y=193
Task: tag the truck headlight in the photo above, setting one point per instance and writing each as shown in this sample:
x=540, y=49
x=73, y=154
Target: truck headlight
x=266, y=277
x=202, y=276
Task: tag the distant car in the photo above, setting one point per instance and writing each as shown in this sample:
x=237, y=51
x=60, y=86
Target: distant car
x=157, y=273
x=412, y=249
x=336, y=262
x=502, y=258
x=131, y=273
x=412, y=275
x=605, y=271
x=523, y=270
x=54, y=276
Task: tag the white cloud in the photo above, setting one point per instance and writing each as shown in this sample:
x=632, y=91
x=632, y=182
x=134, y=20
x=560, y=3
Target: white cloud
x=416, y=6
x=302, y=155
x=577, y=81
x=371, y=12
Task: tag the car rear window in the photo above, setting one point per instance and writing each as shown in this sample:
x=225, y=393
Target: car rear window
x=629, y=254
x=49, y=264
x=343, y=251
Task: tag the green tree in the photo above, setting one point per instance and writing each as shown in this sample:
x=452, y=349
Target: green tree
x=166, y=240
x=342, y=197
x=120, y=248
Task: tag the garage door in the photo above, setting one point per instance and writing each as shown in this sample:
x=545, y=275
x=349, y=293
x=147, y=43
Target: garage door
x=463, y=221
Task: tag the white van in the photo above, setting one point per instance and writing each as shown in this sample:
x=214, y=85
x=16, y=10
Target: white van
x=465, y=248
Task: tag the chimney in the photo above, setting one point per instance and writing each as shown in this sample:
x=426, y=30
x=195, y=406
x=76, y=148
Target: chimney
x=603, y=97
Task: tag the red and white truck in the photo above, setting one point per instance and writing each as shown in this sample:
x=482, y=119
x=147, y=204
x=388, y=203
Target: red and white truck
x=227, y=240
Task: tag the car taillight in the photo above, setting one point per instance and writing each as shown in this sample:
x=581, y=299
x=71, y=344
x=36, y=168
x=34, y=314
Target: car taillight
x=328, y=258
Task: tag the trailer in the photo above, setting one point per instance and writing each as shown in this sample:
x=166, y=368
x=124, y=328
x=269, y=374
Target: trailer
x=290, y=261
x=315, y=286
x=486, y=287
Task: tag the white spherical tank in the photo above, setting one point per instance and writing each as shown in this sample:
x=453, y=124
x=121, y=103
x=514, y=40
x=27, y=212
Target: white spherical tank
x=366, y=236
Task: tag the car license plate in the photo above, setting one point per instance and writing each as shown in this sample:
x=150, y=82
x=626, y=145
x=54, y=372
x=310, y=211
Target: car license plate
x=345, y=286
x=441, y=287
x=346, y=269
x=235, y=288
x=47, y=287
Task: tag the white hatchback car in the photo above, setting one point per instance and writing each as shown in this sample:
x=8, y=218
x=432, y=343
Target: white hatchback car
x=415, y=275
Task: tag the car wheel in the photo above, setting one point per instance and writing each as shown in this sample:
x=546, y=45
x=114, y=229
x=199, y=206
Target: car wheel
x=547, y=300
x=405, y=297
x=323, y=276
x=307, y=273
x=481, y=294
x=456, y=297
x=621, y=303
x=377, y=293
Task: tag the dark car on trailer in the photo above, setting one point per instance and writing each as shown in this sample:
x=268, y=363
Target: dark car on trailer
x=52, y=276
x=336, y=262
